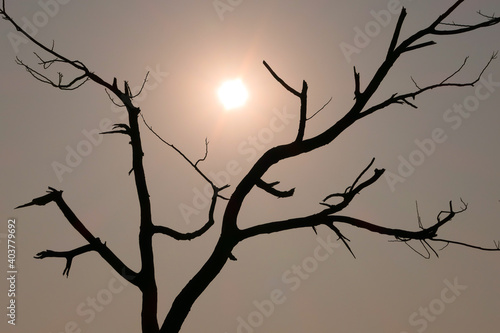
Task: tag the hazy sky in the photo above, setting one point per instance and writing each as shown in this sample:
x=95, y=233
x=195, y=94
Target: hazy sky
x=444, y=150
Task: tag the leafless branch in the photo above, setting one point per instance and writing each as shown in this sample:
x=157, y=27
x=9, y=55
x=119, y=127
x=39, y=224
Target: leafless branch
x=419, y=46
x=125, y=129
x=69, y=255
x=191, y=235
x=72, y=85
x=426, y=256
x=206, y=153
x=325, y=218
x=397, y=32
x=352, y=190
x=112, y=100
x=315, y=113
x=341, y=237
x=194, y=165
x=303, y=113
x=56, y=196
x=357, y=84
x=280, y=80
x=419, y=220
x=463, y=28
x=142, y=86
x=321, y=218
x=303, y=101
x=403, y=99
x=496, y=248
x=269, y=188
x=458, y=70
x=414, y=82
x=157, y=229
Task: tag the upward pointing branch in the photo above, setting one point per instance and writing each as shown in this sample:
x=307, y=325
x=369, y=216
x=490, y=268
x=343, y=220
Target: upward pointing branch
x=303, y=101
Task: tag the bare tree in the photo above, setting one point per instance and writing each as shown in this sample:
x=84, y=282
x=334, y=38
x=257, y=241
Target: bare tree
x=230, y=233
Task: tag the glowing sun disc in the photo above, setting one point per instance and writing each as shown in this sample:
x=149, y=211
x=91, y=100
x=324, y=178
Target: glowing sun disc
x=232, y=94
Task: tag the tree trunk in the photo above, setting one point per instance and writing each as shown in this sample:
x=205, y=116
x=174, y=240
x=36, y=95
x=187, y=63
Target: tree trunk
x=195, y=287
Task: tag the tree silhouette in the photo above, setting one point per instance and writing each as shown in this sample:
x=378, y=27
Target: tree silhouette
x=231, y=234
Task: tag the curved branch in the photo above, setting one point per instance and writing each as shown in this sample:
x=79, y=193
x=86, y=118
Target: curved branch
x=72, y=85
x=352, y=190
x=206, y=153
x=87, y=74
x=158, y=229
x=192, y=235
x=142, y=86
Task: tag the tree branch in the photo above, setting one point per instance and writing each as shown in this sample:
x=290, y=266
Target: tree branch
x=87, y=74
x=341, y=237
x=280, y=80
x=206, y=153
x=142, y=87
x=403, y=98
x=496, y=248
x=397, y=32
x=269, y=188
x=194, y=165
x=303, y=101
x=321, y=109
x=72, y=85
x=125, y=129
x=319, y=218
x=191, y=235
x=69, y=255
x=303, y=113
x=56, y=196
x=352, y=190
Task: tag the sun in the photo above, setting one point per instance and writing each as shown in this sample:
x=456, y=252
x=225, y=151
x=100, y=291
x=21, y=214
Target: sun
x=232, y=94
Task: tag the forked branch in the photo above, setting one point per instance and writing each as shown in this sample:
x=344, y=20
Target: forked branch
x=95, y=244
x=403, y=98
x=303, y=101
x=321, y=218
x=69, y=255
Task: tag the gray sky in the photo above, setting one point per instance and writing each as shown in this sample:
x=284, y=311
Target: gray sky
x=438, y=153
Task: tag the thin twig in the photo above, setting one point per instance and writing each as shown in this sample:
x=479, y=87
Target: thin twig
x=315, y=113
